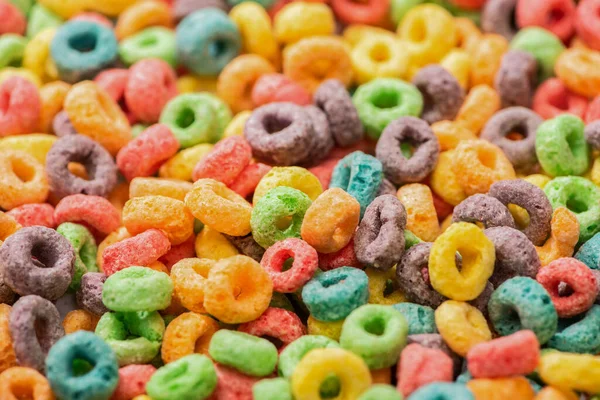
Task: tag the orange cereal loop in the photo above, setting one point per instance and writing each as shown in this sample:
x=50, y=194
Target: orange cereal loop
x=8, y=226
x=237, y=290
x=467, y=32
x=480, y=104
x=159, y=212
x=551, y=393
x=444, y=181
x=450, y=133
x=219, y=207
x=381, y=376
x=119, y=196
x=7, y=354
x=53, y=96
x=173, y=188
x=579, y=70
x=120, y=234
x=237, y=79
x=80, y=320
x=564, y=235
x=313, y=60
x=18, y=383
x=143, y=15
x=22, y=180
x=477, y=164
x=187, y=334
x=421, y=215
x=94, y=113
x=501, y=389
x=189, y=279
x=486, y=56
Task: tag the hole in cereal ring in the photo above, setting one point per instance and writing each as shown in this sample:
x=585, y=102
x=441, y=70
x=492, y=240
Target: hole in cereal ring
x=273, y=124
x=375, y=326
x=555, y=15
x=380, y=52
x=407, y=149
x=332, y=280
x=287, y=264
x=185, y=118
x=330, y=387
x=487, y=157
x=517, y=133
x=284, y=223
x=576, y=205
x=386, y=98
x=148, y=41
x=564, y=290
x=84, y=42
x=81, y=367
x=217, y=48
x=22, y=170
x=390, y=287
x=78, y=170
x=418, y=33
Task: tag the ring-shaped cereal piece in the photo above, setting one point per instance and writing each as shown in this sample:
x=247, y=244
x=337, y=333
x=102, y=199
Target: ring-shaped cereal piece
x=255, y=28
x=183, y=8
x=299, y=20
x=99, y=382
x=423, y=145
x=102, y=171
x=274, y=88
x=29, y=313
x=237, y=290
x=313, y=369
x=580, y=335
x=142, y=249
x=480, y=104
x=94, y=211
x=294, y=177
x=478, y=256
x=378, y=56
x=484, y=209
x=442, y=94
x=352, y=12
x=323, y=141
x=577, y=69
x=276, y=323
x=579, y=372
x=37, y=58
x=20, y=106
x=23, y=180
x=486, y=58
x=421, y=214
x=143, y=15
x=462, y=326
x=137, y=289
x=552, y=98
x=7, y=353
x=189, y=279
x=516, y=78
x=154, y=42
x=23, y=382
x=313, y=60
x=413, y=279
x=89, y=294
x=187, y=334
x=497, y=16
x=305, y=263
x=557, y=16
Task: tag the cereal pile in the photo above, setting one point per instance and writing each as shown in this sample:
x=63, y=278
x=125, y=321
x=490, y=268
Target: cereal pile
x=300, y=200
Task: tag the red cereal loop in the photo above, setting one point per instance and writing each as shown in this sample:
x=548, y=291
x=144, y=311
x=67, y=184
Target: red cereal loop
x=516, y=354
x=13, y=21
x=324, y=170
x=579, y=279
x=93, y=17
x=276, y=323
x=271, y=88
x=132, y=381
x=34, y=214
x=142, y=250
x=346, y=257
x=469, y=4
x=587, y=22
x=144, y=155
x=151, y=84
x=248, y=179
x=20, y=106
x=179, y=252
x=420, y=366
x=305, y=263
x=353, y=12
x=557, y=16
x=232, y=385
x=552, y=99
x=95, y=212
x=593, y=111
x=114, y=81
x=442, y=208
x=225, y=161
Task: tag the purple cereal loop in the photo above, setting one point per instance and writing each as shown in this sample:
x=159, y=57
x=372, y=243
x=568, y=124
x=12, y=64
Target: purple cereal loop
x=35, y=326
x=483, y=299
x=592, y=134
x=412, y=131
x=333, y=98
x=386, y=187
x=98, y=163
x=280, y=133
x=323, y=141
x=515, y=80
x=49, y=274
x=485, y=209
x=498, y=16
x=89, y=295
x=379, y=240
x=442, y=94
x=183, y=8
x=515, y=254
x=521, y=153
x=62, y=126
x=410, y=279
x=533, y=200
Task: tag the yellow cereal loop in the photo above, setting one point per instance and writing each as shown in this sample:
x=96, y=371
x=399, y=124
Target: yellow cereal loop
x=173, y=188
x=213, y=245
x=444, y=182
x=8, y=72
x=299, y=20
x=34, y=144
x=237, y=123
x=255, y=29
x=52, y=96
x=8, y=226
x=332, y=329
x=111, y=8
x=540, y=180
x=450, y=133
x=181, y=165
x=480, y=104
x=192, y=83
x=36, y=56
x=23, y=180
x=478, y=257
x=294, y=177
x=579, y=372
x=65, y=8
x=421, y=215
x=318, y=364
x=379, y=56
x=458, y=63
x=461, y=325
x=355, y=33
x=142, y=15
x=382, y=288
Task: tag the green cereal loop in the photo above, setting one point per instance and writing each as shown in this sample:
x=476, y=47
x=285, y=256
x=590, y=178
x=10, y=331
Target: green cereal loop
x=272, y=389
x=154, y=42
x=399, y=8
x=383, y=100
x=11, y=50
x=192, y=121
x=295, y=351
x=543, y=45
x=248, y=354
x=191, y=377
x=581, y=197
x=561, y=147
x=381, y=392
x=23, y=5
x=222, y=113
x=137, y=289
x=377, y=333
x=84, y=244
x=278, y=207
x=410, y=239
x=578, y=336
x=420, y=319
x=41, y=18
x=134, y=337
